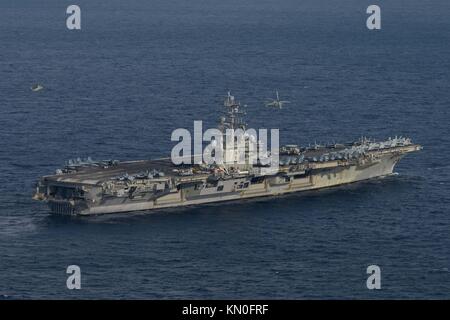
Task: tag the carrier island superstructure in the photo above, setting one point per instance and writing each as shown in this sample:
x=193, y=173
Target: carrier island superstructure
x=87, y=187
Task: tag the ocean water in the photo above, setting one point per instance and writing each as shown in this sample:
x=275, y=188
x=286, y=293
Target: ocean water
x=139, y=69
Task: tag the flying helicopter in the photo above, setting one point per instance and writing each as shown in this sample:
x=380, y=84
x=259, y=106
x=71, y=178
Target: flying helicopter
x=277, y=103
x=36, y=87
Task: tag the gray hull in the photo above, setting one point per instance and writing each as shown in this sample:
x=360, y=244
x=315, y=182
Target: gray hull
x=269, y=186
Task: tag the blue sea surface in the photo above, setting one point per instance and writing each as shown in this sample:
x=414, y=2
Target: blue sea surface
x=137, y=70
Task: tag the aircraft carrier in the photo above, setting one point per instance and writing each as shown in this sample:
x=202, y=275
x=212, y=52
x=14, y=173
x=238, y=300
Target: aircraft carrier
x=88, y=187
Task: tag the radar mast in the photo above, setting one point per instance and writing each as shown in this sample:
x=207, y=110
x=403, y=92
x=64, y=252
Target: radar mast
x=232, y=115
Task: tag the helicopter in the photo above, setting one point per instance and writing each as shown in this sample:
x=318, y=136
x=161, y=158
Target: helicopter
x=36, y=87
x=277, y=103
